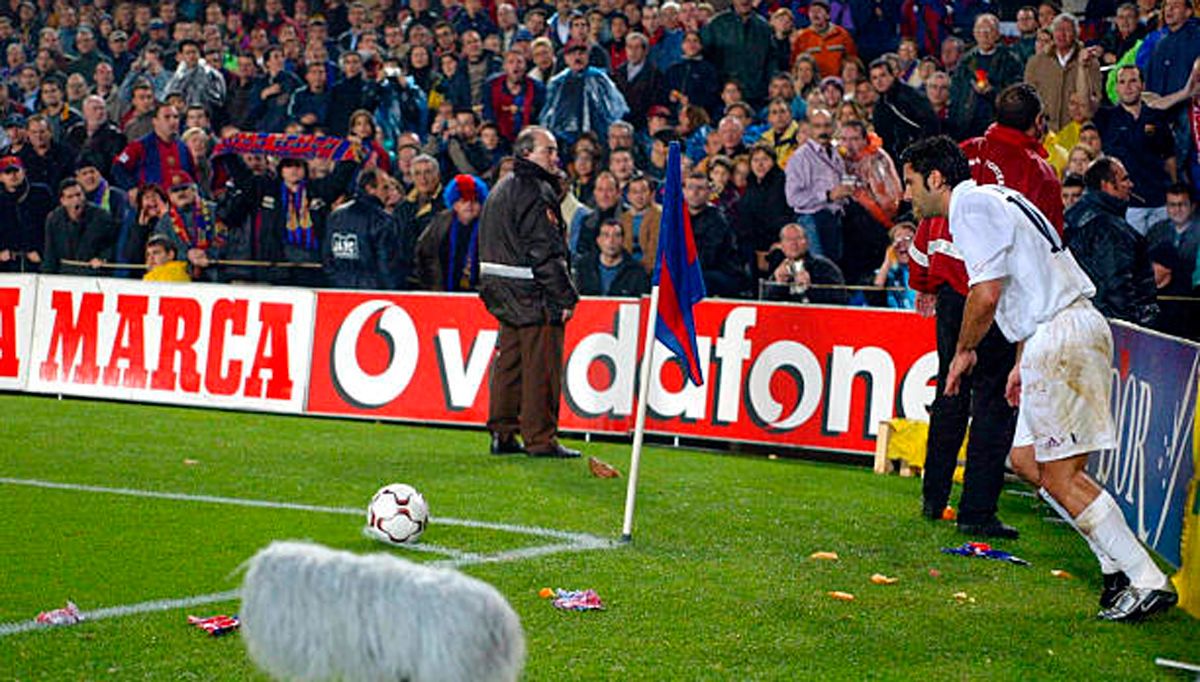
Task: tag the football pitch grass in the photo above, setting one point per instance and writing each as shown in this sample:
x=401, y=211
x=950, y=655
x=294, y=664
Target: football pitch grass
x=716, y=585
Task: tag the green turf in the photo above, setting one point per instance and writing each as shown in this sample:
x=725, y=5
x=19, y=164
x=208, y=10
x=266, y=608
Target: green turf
x=717, y=584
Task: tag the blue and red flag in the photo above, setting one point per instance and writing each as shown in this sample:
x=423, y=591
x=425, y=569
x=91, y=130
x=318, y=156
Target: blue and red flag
x=677, y=274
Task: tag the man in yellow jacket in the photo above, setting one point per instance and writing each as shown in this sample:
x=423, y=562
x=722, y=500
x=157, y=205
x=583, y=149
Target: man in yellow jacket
x=161, y=265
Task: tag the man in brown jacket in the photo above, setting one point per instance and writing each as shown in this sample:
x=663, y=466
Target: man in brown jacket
x=640, y=223
x=1069, y=68
x=525, y=284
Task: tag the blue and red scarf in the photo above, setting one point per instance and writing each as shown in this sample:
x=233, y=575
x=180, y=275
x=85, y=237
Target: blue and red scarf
x=305, y=147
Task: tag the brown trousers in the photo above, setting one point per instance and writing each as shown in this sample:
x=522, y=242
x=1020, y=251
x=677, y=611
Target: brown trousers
x=526, y=384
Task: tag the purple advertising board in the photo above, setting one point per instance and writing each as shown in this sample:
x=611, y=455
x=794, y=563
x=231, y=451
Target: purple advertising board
x=1153, y=402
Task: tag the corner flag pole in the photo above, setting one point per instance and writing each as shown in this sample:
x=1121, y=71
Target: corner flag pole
x=639, y=429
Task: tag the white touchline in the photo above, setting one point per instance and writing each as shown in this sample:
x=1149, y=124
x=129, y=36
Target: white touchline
x=575, y=542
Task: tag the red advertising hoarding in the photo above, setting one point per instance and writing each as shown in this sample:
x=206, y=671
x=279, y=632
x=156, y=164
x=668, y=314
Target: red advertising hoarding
x=798, y=376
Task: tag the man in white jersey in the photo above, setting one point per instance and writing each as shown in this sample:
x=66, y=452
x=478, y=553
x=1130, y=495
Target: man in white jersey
x=1023, y=279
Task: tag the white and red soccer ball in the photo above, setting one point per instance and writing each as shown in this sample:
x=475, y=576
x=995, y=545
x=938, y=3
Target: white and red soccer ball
x=397, y=515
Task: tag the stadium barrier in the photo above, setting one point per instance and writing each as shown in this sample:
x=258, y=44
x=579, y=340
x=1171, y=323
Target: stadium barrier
x=790, y=376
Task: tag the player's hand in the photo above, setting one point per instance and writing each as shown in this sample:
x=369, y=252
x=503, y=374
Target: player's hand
x=5, y=255
x=566, y=315
x=925, y=304
x=1012, y=389
x=95, y=263
x=960, y=366
x=33, y=256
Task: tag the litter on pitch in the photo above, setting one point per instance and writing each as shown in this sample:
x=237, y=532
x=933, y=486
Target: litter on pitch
x=215, y=625
x=983, y=550
x=602, y=469
x=841, y=596
x=575, y=600
x=824, y=556
x=67, y=615
x=1059, y=573
x=881, y=579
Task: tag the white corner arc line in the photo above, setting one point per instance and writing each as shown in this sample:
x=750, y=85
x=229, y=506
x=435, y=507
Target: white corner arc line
x=126, y=610
x=576, y=542
x=592, y=541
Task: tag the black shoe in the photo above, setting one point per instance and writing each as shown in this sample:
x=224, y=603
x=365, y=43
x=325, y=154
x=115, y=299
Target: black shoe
x=933, y=512
x=558, y=451
x=506, y=445
x=991, y=529
x=1114, y=585
x=1135, y=604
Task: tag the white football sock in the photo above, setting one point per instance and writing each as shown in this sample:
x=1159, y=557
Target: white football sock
x=1104, y=525
x=1107, y=565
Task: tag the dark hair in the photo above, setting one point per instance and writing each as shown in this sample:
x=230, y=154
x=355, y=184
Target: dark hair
x=1126, y=67
x=857, y=125
x=881, y=61
x=1180, y=188
x=370, y=177
x=1073, y=180
x=66, y=184
x=1018, y=106
x=613, y=221
x=1103, y=169
x=939, y=153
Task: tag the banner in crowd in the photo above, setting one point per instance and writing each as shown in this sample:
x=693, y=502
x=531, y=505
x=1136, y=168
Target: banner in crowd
x=1154, y=403
x=190, y=344
x=18, y=295
x=813, y=377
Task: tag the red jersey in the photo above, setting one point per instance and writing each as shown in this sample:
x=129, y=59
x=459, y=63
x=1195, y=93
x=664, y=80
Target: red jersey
x=1002, y=156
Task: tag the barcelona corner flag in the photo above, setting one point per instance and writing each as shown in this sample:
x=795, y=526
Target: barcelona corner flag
x=677, y=274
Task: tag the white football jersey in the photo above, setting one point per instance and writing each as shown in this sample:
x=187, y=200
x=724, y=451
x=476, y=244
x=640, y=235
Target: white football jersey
x=1002, y=235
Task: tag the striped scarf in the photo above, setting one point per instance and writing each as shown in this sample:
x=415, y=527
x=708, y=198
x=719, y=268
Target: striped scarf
x=299, y=221
x=289, y=146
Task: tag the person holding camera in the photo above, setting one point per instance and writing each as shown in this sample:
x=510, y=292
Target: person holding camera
x=794, y=270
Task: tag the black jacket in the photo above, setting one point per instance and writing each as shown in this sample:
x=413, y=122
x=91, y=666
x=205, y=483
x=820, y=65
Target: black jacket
x=94, y=236
x=762, y=210
x=254, y=210
x=360, y=246
x=103, y=146
x=902, y=116
x=631, y=279
x=820, y=269
x=23, y=219
x=647, y=89
x=1114, y=256
x=348, y=96
x=521, y=226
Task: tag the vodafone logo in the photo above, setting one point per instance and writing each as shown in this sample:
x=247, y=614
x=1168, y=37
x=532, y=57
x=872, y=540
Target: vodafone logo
x=357, y=387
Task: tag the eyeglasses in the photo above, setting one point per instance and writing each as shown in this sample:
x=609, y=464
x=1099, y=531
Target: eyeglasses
x=11, y=169
x=177, y=189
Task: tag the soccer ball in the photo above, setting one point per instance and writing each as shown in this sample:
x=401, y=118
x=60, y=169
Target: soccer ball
x=397, y=514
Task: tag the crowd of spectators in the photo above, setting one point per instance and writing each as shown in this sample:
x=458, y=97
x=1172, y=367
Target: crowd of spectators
x=792, y=116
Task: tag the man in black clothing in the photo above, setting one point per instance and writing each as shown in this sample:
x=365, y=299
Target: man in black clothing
x=77, y=231
x=23, y=209
x=611, y=271
x=1114, y=255
x=794, y=269
x=715, y=241
x=281, y=218
x=901, y=115
x=359, y=250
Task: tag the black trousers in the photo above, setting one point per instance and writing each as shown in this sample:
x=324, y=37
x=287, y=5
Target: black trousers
x=981, y=400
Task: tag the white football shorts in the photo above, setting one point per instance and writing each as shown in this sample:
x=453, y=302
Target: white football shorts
x=1066, y=385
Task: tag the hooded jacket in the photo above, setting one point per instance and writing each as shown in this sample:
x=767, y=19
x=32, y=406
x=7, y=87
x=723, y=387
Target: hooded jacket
x=1114, y=256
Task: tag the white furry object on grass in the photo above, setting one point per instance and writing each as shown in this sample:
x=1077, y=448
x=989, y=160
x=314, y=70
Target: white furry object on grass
x=313, y=613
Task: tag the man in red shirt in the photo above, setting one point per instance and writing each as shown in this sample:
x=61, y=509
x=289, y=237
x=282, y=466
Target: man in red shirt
x=1009, y=154
x=152, y=158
